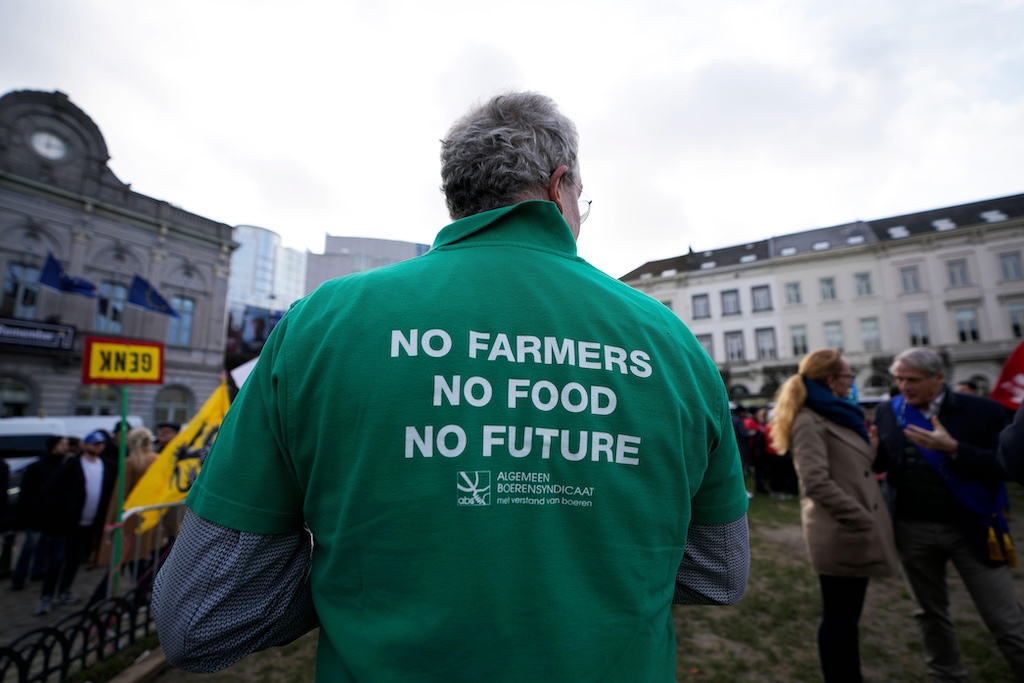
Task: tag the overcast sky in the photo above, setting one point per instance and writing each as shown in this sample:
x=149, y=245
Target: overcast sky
x=703, y=124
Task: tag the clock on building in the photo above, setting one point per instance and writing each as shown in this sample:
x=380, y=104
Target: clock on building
x=49, y=145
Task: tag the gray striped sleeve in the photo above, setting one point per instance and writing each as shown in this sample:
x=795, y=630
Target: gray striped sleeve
x=223, y=594
x=715, y=565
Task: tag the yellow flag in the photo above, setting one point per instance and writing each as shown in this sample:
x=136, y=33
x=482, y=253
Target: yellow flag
x=169, y=478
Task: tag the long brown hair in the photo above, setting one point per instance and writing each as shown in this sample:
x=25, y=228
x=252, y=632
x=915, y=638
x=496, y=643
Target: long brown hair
x=791, y=396
x=140, y=442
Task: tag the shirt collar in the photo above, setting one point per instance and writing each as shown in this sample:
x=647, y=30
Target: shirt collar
x=935, y=405
x=537, y=222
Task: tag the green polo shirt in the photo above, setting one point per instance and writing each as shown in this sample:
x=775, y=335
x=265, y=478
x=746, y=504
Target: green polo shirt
x=498, y=450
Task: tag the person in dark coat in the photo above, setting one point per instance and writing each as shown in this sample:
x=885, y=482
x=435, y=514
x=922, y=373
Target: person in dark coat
x=946, y=492
x=76, y=501
x=1011, y=448
x=37, y=546
x=165, y=433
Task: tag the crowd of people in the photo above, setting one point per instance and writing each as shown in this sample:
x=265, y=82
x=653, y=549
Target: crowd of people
x=66, y=510
x=910, y=489
x=772, y=471
x=322, y=502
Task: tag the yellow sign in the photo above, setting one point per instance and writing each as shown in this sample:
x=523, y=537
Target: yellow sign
x=122, y=361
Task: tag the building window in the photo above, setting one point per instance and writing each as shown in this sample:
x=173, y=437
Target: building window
x=705, y=341
x=701, y=307
x=863, y=283
x=21, y=291
x=734, y=347
x=1010, y=265
x=15, y=397
x=731, y=302
x=870, y=334
x=179, y=330
x=909, y=279
x=828, y=289
x=798, y=334
x=1017, y=320
x=834, y=335
x=966, y=324
x=172, y=404
x=984, y=388
x=792, y=293
x=917, y=325
x=762, y=297
x=958, y=273
x=110, y=310
x=666, y=304
x=765, y=338
x=738, y=391
x=97, y=399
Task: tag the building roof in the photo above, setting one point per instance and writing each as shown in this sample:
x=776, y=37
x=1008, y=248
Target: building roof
x=949, y=218
x=840, y=236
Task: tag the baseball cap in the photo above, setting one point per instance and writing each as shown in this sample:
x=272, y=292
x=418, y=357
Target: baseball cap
x=94, y=437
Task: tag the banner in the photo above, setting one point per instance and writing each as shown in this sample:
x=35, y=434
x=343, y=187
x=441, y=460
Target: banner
x=169, y=478
x=1009, y=388
x=257, y=326
x=146, y=295
x=55, y=276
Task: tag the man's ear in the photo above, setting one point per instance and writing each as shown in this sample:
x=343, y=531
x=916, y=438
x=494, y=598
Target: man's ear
x=555, y=193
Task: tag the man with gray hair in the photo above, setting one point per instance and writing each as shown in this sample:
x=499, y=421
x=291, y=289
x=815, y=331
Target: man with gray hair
x=489, y=463
x=946, y=493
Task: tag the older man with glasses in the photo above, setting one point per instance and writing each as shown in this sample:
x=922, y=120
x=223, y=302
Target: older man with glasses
x=947, y=497
x=510, y=464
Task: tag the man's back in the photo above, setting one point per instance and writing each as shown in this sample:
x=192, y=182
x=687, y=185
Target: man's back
x=495, y=447
x=501, y=454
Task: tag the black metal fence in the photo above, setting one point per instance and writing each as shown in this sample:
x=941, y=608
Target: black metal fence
x=77, y=641
x=100, y=631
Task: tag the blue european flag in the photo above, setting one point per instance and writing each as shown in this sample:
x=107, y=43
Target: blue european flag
x=144, y=294
x=53, y=275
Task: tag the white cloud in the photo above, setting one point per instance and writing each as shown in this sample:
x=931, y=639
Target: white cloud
x=703, y=124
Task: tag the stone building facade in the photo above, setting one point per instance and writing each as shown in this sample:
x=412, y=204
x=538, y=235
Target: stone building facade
x=59, y=198
x=949, y=278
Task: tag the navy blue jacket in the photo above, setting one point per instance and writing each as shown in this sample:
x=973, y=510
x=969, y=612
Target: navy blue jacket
x=975, y=423
x=64, y=496
x=1011, y=448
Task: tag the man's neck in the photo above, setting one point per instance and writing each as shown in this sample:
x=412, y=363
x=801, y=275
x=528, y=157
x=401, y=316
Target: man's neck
x=930, y=408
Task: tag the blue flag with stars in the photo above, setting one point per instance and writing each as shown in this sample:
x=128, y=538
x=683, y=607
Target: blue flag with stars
x=144, y=294
x=54, y=275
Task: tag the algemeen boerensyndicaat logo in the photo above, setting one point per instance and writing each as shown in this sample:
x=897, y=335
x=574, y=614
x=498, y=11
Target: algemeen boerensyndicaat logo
x=474, y=487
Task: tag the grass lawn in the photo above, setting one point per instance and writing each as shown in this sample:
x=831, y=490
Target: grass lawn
x=772, y=634
x=769, y=637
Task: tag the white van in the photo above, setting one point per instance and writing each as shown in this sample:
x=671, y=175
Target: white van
x=23, y=439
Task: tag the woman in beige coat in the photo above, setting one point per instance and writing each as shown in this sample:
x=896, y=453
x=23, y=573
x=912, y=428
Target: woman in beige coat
x=846, y=524
x=139, y=457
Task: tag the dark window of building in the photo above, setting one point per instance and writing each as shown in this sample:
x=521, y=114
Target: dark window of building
x=21, y=291
x=762, y=297
x=110, y=308
x=179, y=330
x=731, y=302
x=701, y=308
x=734, y=347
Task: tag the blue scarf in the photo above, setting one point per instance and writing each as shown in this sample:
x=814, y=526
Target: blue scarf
x=821, y=400
x=969, y=492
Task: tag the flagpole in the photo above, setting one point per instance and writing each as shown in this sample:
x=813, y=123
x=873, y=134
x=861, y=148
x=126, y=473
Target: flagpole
x=122, y=449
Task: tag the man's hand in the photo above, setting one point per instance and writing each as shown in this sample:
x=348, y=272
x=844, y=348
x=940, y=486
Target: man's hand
x=936, y=440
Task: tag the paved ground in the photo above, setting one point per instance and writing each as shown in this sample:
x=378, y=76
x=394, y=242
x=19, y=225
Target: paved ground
x=17, y=607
